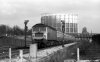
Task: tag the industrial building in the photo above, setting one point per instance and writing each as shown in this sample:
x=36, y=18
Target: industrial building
x=55, y=21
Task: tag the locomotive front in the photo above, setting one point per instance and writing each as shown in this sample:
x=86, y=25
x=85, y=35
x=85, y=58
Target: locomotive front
x=39, y=32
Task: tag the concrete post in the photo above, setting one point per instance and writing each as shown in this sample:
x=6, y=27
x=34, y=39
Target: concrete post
x=10, y=54
x=33, y=50
x=21, y=55
x=78, y=58
x=90, y=40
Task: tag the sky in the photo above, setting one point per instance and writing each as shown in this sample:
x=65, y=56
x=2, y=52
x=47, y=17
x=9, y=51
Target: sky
x=15, y=12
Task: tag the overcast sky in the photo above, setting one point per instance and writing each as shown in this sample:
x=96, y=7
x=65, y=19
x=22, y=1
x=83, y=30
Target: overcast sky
x=14, y=12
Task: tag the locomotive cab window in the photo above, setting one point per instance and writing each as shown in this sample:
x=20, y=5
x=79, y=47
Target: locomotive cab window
x=42, y=28
x=36, y=29
x=39, y=29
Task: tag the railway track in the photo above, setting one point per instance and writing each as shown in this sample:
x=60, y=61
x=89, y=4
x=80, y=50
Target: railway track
x=4, y=52
x=15, y=52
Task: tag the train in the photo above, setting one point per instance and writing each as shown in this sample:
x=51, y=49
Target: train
x=46, y=35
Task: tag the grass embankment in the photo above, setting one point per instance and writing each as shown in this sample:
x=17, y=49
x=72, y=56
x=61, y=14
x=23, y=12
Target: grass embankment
x=88, y=51
x=66, y=53
x=58, y=56
x=91, y=51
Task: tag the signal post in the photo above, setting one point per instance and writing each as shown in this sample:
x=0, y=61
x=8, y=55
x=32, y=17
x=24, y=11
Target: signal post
x=26, y=21
x=63, y=30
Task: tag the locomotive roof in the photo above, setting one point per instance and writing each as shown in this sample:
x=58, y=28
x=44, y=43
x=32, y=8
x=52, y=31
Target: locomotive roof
x=43, y=25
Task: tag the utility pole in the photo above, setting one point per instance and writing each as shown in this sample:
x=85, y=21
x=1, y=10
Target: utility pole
x=26, y=21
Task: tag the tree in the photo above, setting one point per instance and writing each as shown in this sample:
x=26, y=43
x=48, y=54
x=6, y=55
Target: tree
x=4, y=29
x=84, y=30
x=17, y=30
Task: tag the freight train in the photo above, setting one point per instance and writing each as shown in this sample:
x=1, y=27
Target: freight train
x=45, y=36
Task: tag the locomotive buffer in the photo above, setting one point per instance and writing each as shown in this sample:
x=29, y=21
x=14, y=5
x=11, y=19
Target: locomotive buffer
x=63, y=30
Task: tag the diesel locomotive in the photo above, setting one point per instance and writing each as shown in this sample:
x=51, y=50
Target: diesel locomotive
x=45, y=36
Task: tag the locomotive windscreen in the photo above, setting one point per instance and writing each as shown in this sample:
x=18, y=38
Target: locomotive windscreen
x=38, y=34
x=39, y=29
